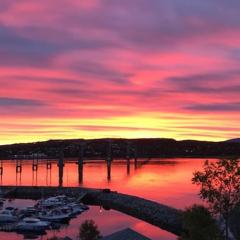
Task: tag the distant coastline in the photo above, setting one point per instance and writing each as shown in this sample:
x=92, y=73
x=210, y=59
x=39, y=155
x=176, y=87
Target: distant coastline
x=139, y=148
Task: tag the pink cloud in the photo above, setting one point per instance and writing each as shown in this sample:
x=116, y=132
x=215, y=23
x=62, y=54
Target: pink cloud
x=101, y=61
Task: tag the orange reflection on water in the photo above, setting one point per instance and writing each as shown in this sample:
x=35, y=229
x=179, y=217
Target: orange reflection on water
x=166, y=181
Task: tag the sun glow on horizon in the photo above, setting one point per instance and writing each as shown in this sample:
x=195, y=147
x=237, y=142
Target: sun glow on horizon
x=144, y=126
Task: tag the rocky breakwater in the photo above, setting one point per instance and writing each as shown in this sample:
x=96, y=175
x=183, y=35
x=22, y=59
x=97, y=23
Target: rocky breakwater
x=162, y=216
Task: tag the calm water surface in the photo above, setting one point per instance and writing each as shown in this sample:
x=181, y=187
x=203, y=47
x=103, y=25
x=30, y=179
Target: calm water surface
x=166, y=181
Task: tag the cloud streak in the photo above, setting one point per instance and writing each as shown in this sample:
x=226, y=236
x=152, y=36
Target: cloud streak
x=140, y=68
x=18, y=102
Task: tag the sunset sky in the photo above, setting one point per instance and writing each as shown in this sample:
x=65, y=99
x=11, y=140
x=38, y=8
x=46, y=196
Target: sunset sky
x=119, y=68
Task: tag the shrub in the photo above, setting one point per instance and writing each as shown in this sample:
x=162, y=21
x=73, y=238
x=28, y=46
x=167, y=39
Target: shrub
x=198, y=224
x=89, y=231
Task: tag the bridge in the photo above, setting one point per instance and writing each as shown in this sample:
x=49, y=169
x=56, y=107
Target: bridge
x=162, y=216
x=131, y=153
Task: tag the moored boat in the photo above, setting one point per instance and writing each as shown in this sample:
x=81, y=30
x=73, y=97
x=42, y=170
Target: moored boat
x=28, y=212
x=32, y=225
x=56, y=215
x=75, y=208
x=50, y=202
x=83, y=206
x=7, y=216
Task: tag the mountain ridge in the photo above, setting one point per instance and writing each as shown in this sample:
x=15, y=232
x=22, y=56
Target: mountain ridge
x=141, y=147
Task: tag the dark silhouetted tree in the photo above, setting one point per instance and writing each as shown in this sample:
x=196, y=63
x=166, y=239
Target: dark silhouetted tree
x=235, y=222
x=198, y=224
x=89, y=231
x=220, y=187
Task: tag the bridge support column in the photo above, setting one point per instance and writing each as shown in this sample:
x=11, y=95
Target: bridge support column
x=49, y=175
x=80, y=163
x=60, y=168
x=135, y=163
x=109, y=170
x=128, y=157
x=1, y=168
x=18, y=166
x=109, y=159
x=35, y=163
x=49, y=164
x=135, y=158
x=128, y=165
x=35, y=167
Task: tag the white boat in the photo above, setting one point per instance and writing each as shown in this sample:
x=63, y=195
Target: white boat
x=83, y=206
x=28, y=212
x=7, y=216
x=66, y=210
x=2, y=200
x=75, y=208
x=61, y=198
x=11, y=209
x=56, y=215
x=50, y=202
x=32, y=224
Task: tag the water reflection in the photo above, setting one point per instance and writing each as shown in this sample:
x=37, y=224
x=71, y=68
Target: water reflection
x=164, y=180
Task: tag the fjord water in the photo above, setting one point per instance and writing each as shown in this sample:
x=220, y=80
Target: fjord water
x=167, y=181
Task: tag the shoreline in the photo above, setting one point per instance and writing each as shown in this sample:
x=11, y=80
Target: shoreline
x=157, y=214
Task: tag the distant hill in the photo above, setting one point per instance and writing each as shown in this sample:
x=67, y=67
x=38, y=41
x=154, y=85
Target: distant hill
x=235, y=140
x=120, y=148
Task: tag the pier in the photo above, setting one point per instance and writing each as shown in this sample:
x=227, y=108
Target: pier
x=162, y=216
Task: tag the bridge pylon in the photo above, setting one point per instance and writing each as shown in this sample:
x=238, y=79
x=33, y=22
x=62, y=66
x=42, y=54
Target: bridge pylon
x=128, y=156
x=60, y=167
x=18, y=166
x=49, y=164
x=35, y=162
x=1, y=168
x=109, y=159
x=80, y=162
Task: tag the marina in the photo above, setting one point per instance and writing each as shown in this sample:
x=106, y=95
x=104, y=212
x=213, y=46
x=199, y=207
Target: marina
x=46, y=214
x=152, y=212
